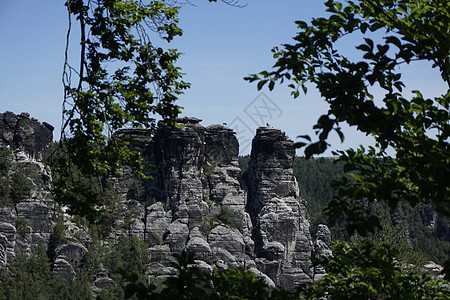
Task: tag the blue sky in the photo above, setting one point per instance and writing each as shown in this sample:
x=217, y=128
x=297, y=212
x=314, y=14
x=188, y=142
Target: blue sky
x=221, y=45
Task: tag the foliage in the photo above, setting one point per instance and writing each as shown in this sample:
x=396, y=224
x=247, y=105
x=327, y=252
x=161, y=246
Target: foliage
x=110, y=209
x=137, y=191
x=20, y=186
x=131, y=255
x=127, y=76
x=367, y=271
x=15, y=186
x=84, y=188
x=5, y=160
x=209, y=169
x=422, y=236
x=31, y=277
x=359, y=270
x=74, y=184
x=416, y=128
x=58, y=236
x=404, y=225
x=123, y=79
x=209, y=224
x=314, y=177
x=191, y=283
x=22, y=227
x=243, y=163
x=225, y=217
x=5, y=166
x=407, y=257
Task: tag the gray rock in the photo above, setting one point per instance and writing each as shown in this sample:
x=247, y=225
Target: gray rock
x=261, y=276
x=178, y=233
x=3, y=249
x=161, y=254
x=224, y=239
x=282, y=240
x=38, y=216
x=7, y=215
x=322, y=248
x=221, y=145
x=197, y=244
x=257, y=221
x=8, y=241
x=102, y=281
x=23, y=133
x=157, y=224
x=72, y=251
x=433, y=268
x=64, y=269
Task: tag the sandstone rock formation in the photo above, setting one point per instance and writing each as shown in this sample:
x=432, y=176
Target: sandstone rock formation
x=322, y=248
x=26, y=222
x=25, y=134
x=197, y=200
x=280, y=220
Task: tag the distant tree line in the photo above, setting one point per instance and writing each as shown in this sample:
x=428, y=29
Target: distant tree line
x=314, y=177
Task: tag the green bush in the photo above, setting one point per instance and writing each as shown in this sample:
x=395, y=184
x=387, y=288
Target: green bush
x=225, y=217
x=365, y=271
x=31, y=277
x=20, y=186
x=15, y=186
x=21, y=227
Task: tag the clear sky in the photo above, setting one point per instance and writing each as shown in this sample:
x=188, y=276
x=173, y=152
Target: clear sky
x=221, y=45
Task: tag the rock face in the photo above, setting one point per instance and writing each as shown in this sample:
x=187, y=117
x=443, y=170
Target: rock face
x=322, y=248
x=282, y=240
x=197, y=200
x=25, y=134
x=26, y=221
x=433, y=220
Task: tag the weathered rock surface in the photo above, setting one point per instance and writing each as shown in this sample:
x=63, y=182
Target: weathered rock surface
x=26, y=222
x=434, y=220
x=279, y=217
x=197, y=200
x=22, y=133
x=322, y=248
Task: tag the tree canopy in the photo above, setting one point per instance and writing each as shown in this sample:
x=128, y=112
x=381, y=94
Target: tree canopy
x=126, y=76
x=415, y=128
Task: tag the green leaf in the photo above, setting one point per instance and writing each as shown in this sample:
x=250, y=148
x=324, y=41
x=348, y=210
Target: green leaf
x=306, y=137
x=261, y=83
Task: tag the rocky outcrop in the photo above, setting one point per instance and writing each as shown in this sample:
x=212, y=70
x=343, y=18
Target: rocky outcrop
x=282, y=240
x=434, y=220
x=25, y=134
x=26, y=220
x=322, y=248
x=197, y=200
